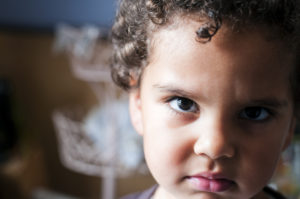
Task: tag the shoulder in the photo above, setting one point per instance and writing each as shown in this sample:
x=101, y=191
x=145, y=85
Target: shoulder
x=142, y=195
x=273, y=194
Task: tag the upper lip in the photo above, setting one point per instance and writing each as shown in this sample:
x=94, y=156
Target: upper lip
x=210, y=175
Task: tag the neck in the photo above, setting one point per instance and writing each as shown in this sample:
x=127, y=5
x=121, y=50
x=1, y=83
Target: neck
x=261, y=195
x=163, y=194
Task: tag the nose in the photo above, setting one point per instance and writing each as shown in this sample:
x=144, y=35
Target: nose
x=215, y=141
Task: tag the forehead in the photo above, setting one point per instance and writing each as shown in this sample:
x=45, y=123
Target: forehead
x=254, y=41
x=183, y=28
x=233, y=59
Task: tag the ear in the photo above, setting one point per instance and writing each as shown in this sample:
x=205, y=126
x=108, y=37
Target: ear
x=136, y=110
x=290, y=135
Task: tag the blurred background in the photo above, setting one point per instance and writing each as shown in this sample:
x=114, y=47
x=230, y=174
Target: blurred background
x=40, y=44
x=58, y=107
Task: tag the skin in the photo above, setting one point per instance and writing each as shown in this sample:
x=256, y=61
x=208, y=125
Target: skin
x=213, y=133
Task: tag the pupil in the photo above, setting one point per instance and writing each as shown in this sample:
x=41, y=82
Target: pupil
x=185, y=104
x=253, y=112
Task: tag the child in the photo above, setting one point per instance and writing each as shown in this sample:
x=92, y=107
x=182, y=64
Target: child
x=214, y=90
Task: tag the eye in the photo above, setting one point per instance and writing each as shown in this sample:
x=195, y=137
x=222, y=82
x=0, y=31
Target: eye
x=255, y=113
x=182, y=104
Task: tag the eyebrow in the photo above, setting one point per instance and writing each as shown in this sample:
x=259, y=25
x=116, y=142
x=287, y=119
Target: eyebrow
x=268, y=101
x=271, y=102
x=176, y=91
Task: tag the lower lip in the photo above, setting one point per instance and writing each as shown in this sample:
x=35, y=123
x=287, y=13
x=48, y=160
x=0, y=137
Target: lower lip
x=210, y=185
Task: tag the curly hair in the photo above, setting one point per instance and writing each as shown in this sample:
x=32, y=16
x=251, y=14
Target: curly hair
x=137, y=18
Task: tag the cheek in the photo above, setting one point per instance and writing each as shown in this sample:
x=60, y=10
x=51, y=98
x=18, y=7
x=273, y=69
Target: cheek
x=259, y=159
x=163, y=137
x=267, y=144
x=164, y=145
x=166, y=150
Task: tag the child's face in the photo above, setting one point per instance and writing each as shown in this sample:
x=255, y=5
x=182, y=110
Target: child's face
x=216, y=116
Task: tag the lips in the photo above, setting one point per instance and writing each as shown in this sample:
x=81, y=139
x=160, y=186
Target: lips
x=210, y=182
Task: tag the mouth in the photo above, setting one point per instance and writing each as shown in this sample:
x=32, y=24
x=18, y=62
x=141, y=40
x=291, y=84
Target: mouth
x=210, y=182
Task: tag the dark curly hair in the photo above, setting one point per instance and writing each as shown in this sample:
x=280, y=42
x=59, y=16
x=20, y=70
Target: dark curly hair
x=137, y=18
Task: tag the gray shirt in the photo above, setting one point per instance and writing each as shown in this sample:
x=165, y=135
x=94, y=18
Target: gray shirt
x=147, y=194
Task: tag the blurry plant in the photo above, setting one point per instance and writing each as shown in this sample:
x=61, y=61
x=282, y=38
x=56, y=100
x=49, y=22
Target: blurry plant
x=287, y=178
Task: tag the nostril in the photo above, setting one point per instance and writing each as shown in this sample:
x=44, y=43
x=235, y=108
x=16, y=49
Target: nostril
x=214, y=149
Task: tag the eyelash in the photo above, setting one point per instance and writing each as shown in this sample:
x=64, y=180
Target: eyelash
x=242, y=114
x=172, y=99
x=265, y=110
